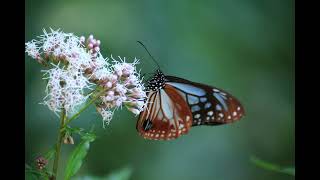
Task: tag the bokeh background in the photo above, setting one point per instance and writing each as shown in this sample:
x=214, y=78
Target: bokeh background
x=245, y=47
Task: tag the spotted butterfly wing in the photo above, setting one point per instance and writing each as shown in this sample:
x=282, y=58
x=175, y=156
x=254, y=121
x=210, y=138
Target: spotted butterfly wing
x=209, y=105
x=174, y=105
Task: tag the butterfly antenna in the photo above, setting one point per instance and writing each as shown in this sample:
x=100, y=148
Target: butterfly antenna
x=149, y=53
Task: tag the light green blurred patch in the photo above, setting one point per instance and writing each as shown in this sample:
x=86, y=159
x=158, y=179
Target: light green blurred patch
x=122, y=174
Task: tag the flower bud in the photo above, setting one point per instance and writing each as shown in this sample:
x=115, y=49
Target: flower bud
x=90, y=37
x=41, y=162
x=114, y=78
x=68, y=140
x=119, y=73
x=98, y=43
x=110, y=93
x=82, y=39
x=93, y=42
x=108, y=84
x=96, y=49
x=109, y=98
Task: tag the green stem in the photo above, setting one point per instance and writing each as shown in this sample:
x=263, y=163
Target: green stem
x=91, y=92
x=84, y=108
x=58, y=145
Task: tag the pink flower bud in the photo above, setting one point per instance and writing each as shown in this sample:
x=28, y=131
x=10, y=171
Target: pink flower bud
x=114, y=78
x=119, y=73
x=93, y=41
x=108, y=84
x=97, y=49
x=98, y=43
x=82, y=39
x=109, y=98
x=90, y=37
x=90, y=46
x=111, y=93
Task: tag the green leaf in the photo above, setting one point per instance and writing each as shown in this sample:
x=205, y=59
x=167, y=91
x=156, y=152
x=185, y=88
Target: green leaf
x=33, y=173
x=122, y=174
x=290, y=170
x=272, y=167
x=79, y=131
x=49, y=155
x=30, y=176
x=78, y=154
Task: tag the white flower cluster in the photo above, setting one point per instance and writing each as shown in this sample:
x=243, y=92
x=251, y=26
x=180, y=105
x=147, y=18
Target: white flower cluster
x=65, y=89
x=77, y=65
x=123, y=86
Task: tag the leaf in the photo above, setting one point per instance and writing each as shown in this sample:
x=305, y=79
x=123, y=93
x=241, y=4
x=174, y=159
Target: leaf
x=122, y=174
x=79, y=131
x=272, y=167
x=35, y=174
x=49, y=155
x=30, y=176
x=290, y=170
x=78, y=154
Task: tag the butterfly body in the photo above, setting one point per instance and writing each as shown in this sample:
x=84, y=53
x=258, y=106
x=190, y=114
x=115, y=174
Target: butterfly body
x=174, y=105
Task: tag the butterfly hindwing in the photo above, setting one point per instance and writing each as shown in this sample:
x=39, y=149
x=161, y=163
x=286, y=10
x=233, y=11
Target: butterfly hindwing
x=167, y=115
x=209, y=105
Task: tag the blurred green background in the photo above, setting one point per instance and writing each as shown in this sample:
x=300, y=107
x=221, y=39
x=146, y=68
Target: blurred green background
x=245, y=47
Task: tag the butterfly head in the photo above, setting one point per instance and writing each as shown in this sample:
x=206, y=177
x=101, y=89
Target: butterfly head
x=157, y=81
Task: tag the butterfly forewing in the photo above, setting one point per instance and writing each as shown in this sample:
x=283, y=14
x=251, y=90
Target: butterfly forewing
x=209, y=105
x=166, y=116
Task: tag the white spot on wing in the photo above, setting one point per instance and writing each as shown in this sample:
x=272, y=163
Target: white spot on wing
x=218, y=107
x=207, y=105
x=195, y=108
x=188, y=88
x=203, y=99
x=221, y=100
x=197, y=116
x=222, y=93
x=192, y=99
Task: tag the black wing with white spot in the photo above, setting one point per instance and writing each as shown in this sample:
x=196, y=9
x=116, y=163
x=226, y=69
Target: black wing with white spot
x=209, y=105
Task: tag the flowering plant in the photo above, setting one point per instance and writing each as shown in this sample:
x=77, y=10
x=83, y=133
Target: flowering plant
x=78, y=76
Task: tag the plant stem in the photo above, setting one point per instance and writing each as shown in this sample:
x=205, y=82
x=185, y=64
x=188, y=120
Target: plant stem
x=58, y=145
x=84, y=108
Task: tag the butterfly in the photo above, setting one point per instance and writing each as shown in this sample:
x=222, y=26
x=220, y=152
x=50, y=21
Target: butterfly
x=174, y=105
